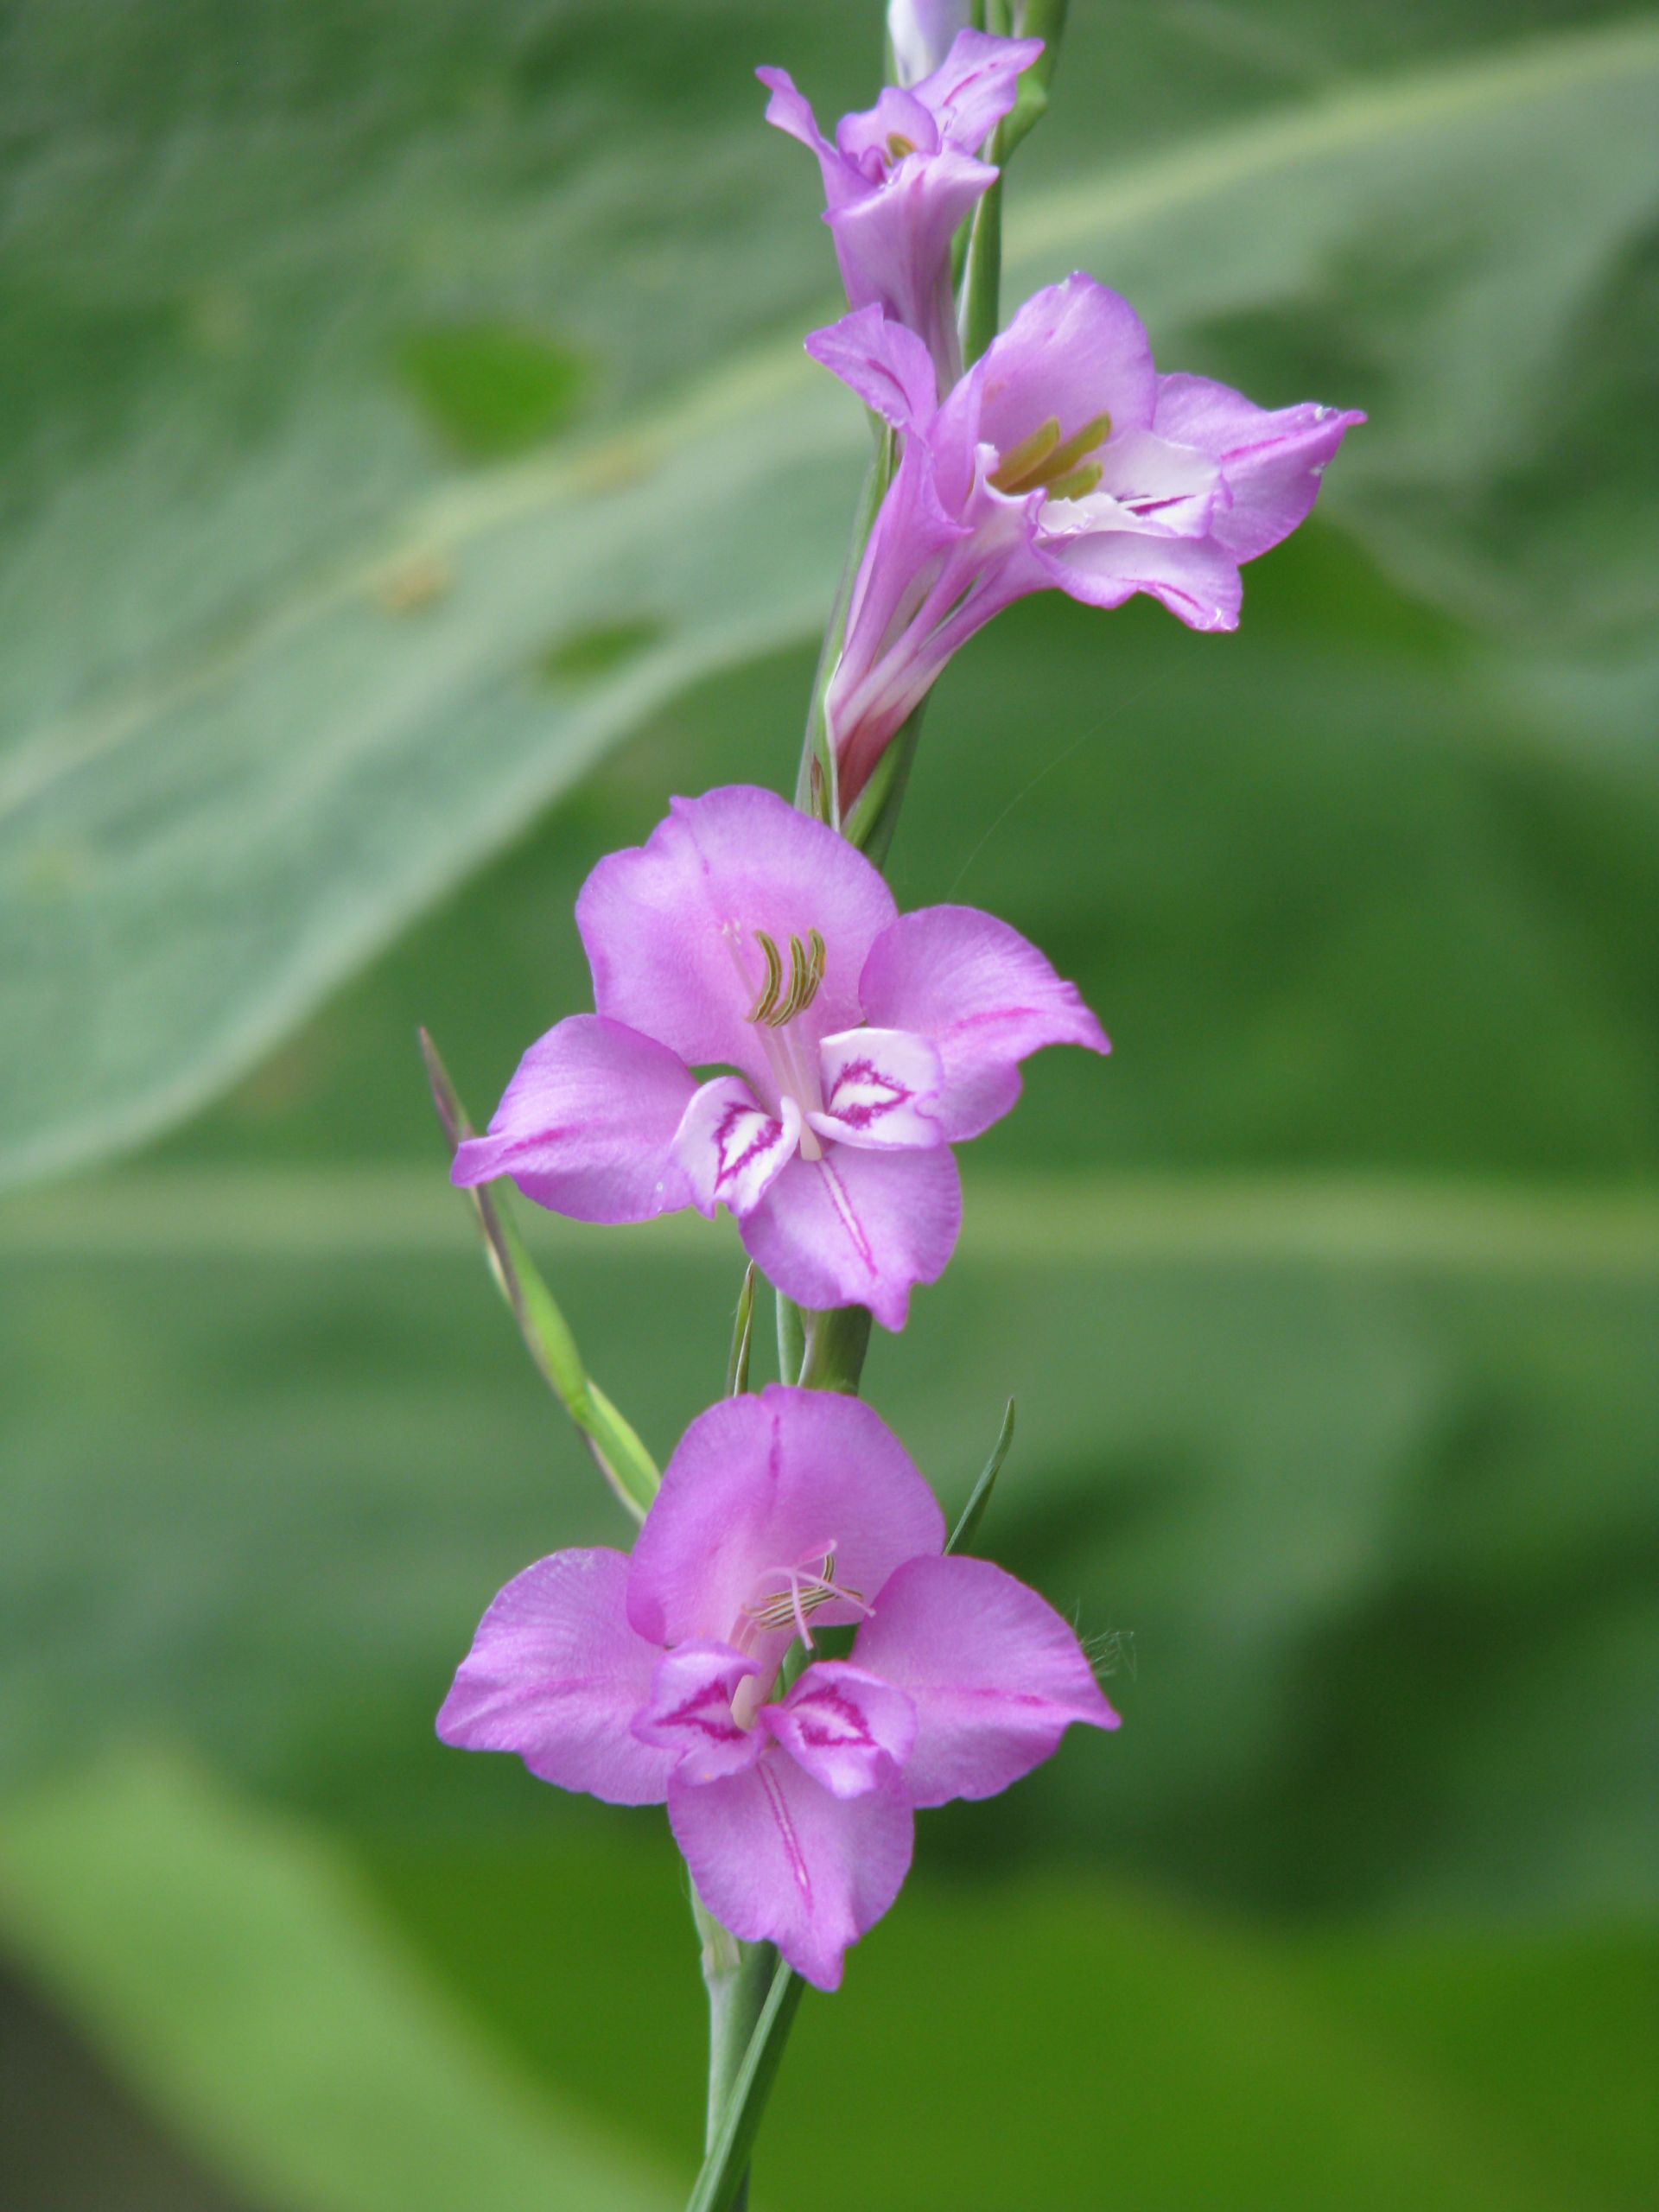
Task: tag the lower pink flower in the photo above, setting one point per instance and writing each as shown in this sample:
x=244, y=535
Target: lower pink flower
x=745, y=936
x=655, y=1678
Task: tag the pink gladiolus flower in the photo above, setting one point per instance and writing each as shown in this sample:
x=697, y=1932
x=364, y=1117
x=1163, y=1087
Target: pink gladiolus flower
x=1063, y=461
x=900, y=176
x=652, y=1679
x=745, y=936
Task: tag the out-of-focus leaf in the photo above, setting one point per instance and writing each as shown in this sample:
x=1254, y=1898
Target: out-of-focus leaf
x=236, y=1975
x=272, y=1447
x=1064, y=2039
x=961, y=1536
x=329, y=669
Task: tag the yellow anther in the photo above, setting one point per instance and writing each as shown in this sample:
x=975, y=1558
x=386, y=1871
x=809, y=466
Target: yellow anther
x=898, y=146
x=1075, y=481
x=762, y=1008
x=1045, y=461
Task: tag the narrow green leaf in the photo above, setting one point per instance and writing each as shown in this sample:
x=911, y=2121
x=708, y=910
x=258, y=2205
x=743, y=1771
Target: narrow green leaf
x=725, y=2171
x=974, y=1512
x=737, y=1365
x=618, y=1452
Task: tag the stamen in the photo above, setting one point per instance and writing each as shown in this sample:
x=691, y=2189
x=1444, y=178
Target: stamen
x=1077, y=481
x=1044, y=461
x=804, y=1593
x=1010, y=472
x=898, y=146
x=761, y=1010
x=806, y=966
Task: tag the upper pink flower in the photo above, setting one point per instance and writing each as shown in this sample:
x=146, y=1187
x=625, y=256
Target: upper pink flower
x=900, y=176
x=653, y=1678
x=743, y=935
x=1061, y=460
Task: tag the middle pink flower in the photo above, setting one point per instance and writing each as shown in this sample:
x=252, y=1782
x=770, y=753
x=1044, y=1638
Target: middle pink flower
x=745, y=936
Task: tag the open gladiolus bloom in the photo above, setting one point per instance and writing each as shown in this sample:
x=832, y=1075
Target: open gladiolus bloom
x=1062, y=460
x=900, y=177
x=659, y=1677
x=744, y=936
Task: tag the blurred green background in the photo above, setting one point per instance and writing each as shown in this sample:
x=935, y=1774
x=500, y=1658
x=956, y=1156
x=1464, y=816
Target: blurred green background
x=411, y=475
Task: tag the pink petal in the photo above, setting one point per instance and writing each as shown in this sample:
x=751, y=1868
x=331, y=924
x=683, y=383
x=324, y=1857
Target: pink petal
x=557, y=1675
x=1196, y=578
x=790, y=110
x=778, y=1859
x=669, y=926
x=975, y=86
x=731, y=1149
x=1172, y=490
x=1273, y=459
x=881, y=363
x=690, y=1711
x=880, y=1088
x=850, y=1731
x=986, y=998
x=585, y=1127
x=996, y=1676
x=858, y=1228
x=760, y=1484
x=920, y=32
x=893, y=244
x=1073, y=352
x=866, y=138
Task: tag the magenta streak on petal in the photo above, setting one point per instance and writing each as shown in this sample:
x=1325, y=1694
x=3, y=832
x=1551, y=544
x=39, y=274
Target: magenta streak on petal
x=761, y=1143
x=861, y=1117
x=847, y=1218
x=824, y=1737
x=692, y=1714
x=786, y=1829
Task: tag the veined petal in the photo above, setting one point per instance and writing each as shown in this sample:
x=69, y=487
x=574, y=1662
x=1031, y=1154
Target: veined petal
x=690, y=1711
x=881, y=1089
x=1172, y=490
x=1273, y=459
x=777, y=1859
x=1074, y=352
x=849, y=1730
x=893, y=244
x=1196, y=578
x=996, y=1676
x=557, y=1675
x=858, y=1228
x=670, y=926
x=976, y=85
x=760, y=1486
x=986, y=998
x=586, y=1125
x=730, y=1149
x=880, y=361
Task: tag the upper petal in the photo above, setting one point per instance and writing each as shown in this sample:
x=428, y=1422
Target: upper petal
x=759, y=1485
x=848, y=1729
x=789, y=110
x=984, y=995
x=689, y=1712
x=556, y=1674
x=586, y=1125
x=885, y=364
x=1273, y=459
x=670, y=925
x=858, y=1228
x=976, y=85
x=1075, y=351
x=778, y=1859
x=881, y=1089
x=730, y=1149
x=996, y=1676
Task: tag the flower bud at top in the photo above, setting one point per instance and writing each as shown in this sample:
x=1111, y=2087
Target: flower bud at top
x=920, y=32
